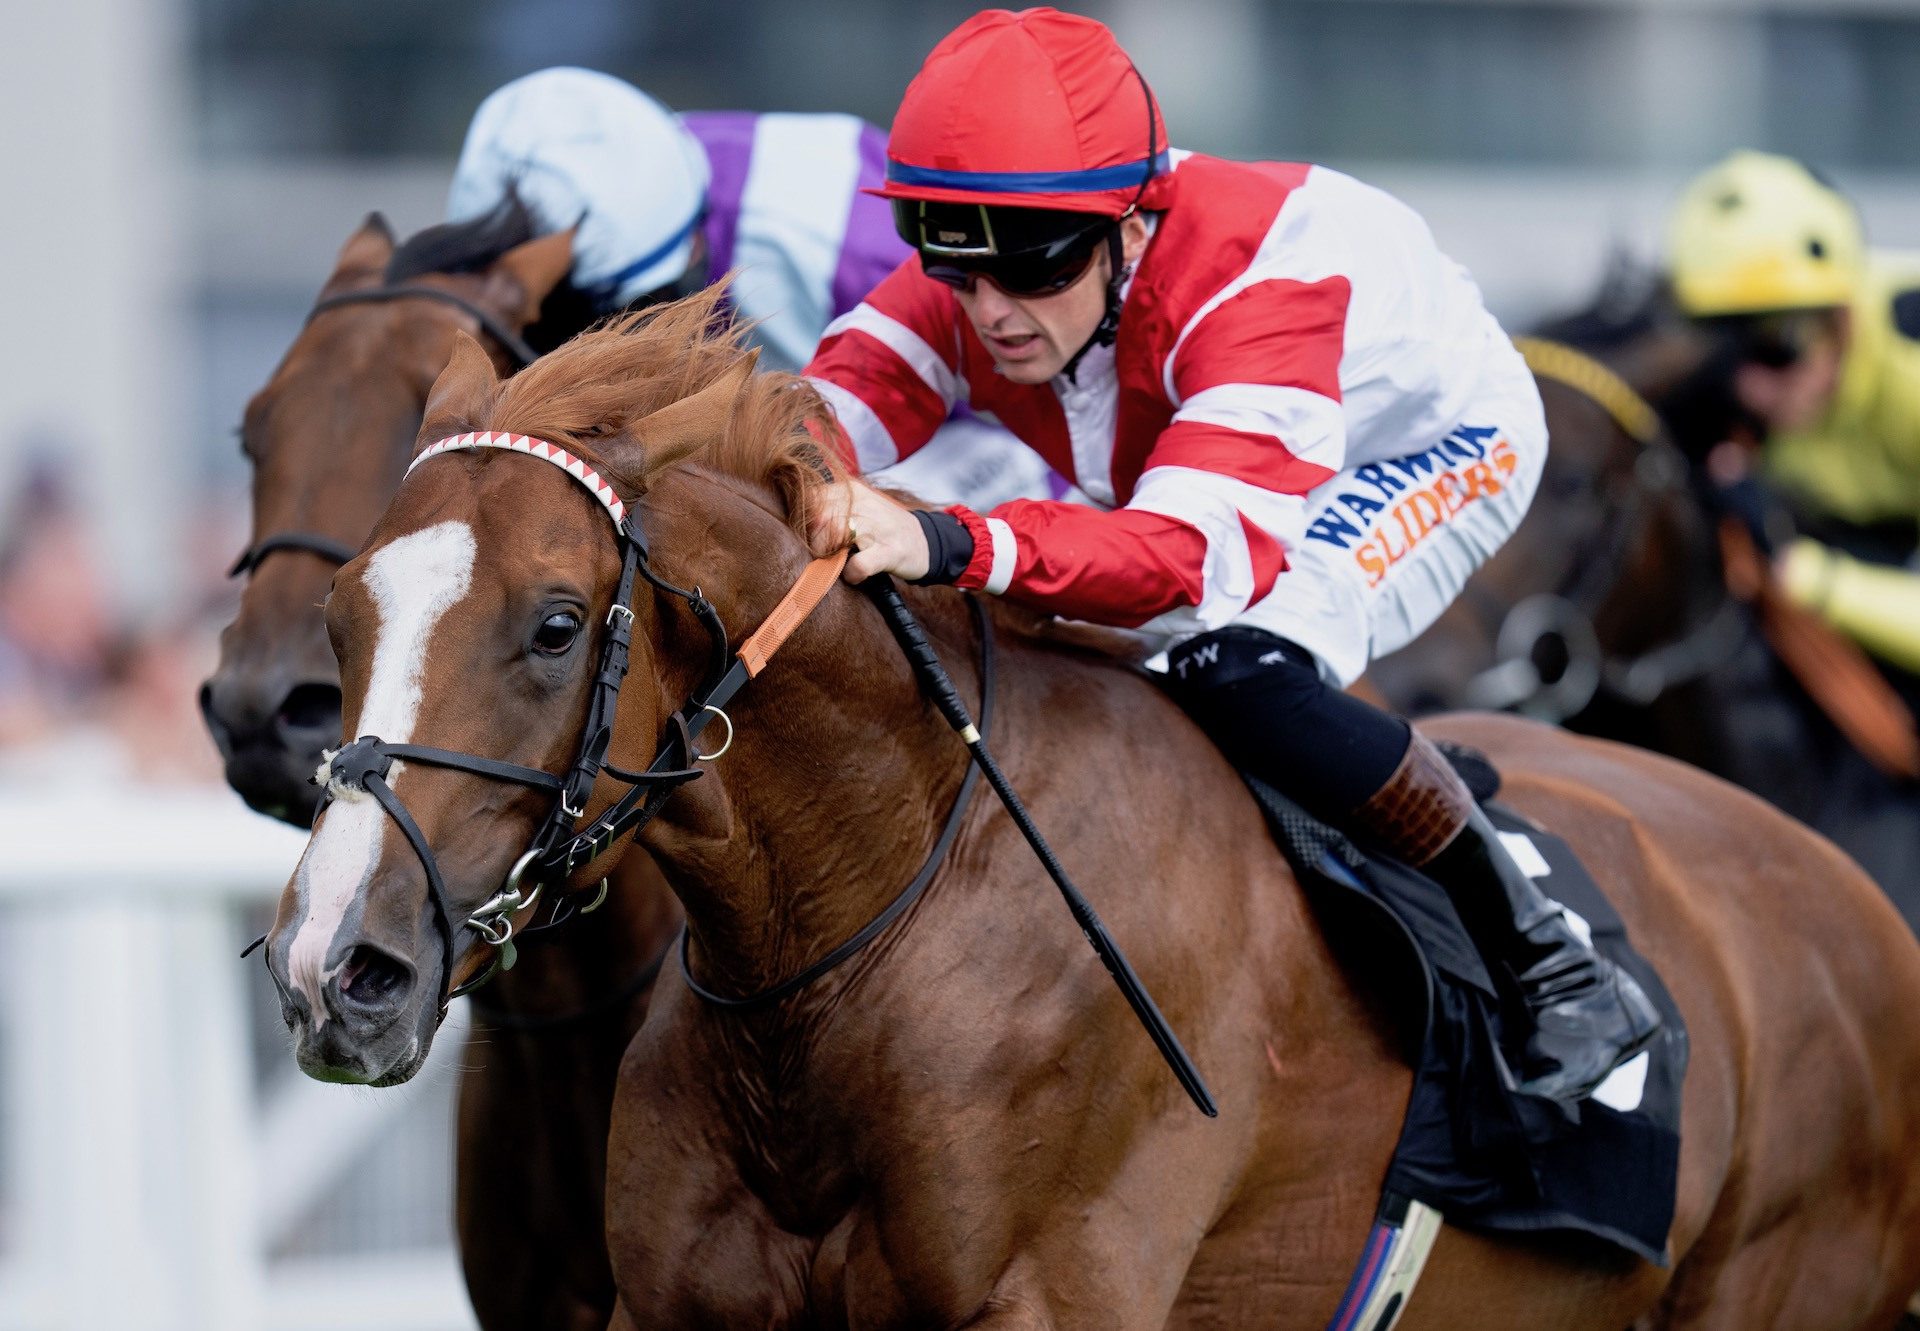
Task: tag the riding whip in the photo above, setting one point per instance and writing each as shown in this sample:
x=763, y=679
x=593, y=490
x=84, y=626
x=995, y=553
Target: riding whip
x=939, y=687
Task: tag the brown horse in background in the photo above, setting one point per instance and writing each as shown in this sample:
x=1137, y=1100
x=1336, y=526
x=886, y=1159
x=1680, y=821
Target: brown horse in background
x=328, y=437
x=963, y=1126
x=1609, y=611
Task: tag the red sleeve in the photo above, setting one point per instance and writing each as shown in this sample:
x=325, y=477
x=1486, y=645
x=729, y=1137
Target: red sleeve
x=1122, y=567
x=889, y=367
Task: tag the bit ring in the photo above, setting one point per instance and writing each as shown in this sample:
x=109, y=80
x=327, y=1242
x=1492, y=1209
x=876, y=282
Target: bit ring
x=709, y=757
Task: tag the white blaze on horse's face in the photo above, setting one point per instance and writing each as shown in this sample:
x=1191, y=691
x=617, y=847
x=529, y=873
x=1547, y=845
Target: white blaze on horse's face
x=413, y=582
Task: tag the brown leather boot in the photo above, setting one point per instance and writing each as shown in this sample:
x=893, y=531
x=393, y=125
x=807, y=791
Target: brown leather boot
x=1589, y=1016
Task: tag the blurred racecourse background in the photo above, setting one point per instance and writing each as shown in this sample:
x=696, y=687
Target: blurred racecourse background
x=178, y=175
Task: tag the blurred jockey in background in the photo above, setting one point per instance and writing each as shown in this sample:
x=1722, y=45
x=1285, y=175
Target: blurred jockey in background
x=665, y=204
x=1299, y=428
x=1819, y=342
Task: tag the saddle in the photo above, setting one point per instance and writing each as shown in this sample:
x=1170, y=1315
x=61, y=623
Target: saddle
x=1471, y=1148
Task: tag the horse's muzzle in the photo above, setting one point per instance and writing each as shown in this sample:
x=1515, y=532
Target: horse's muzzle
x=271, y=746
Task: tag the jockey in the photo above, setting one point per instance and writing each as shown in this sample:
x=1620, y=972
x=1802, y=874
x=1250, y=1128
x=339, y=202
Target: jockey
x=1299, y=428
x=1819, y=348
x=666, y=204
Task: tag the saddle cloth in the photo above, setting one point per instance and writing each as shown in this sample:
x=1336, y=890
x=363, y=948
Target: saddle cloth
x=1470, y=1148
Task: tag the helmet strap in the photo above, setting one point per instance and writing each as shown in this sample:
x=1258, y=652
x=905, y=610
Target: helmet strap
x=1109, y=326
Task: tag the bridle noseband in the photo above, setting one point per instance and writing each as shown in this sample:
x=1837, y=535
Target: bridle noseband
x=326, y=547
x=561, y=847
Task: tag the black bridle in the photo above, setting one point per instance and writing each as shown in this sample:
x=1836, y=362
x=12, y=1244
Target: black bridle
x=906, y=896
x=326, y=547
x=1658, y=474
x=561, y=847
x=496, y=328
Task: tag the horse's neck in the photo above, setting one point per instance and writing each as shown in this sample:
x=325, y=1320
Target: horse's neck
x=833, y=790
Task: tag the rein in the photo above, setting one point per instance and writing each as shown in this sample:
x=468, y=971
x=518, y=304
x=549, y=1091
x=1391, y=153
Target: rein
x=940, y=690
x=361, y=767
x=511, y=342
x=906, y=896
x=340, y=552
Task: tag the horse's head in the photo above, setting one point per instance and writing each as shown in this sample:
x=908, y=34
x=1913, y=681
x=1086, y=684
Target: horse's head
x=1605, y=565
x=328, y=436
x=476, y=622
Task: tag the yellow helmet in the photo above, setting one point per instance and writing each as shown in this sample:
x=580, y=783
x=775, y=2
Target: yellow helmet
x=1759, y=233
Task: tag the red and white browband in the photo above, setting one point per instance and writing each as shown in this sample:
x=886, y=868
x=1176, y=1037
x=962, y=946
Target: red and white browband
x=533, y=448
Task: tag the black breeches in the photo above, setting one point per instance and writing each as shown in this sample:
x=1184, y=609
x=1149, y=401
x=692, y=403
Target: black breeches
x=1262, y=700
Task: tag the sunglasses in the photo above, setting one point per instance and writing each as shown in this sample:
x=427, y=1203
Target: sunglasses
x=1778, y=341
x=1044, y=272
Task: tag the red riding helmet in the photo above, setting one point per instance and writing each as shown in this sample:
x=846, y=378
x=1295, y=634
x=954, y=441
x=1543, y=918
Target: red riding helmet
x=1031, y=110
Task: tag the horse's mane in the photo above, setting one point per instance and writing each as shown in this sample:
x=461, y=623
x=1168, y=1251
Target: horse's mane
x=1632, y=301
x=464, y=247
x=635, y=364
x=475, y=244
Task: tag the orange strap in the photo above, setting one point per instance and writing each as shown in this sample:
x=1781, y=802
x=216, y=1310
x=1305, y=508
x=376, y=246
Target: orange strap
x=1835, y=673
x=799, y=602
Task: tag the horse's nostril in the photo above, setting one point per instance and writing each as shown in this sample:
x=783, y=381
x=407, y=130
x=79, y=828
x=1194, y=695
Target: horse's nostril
x=372, y=978
x=311, y=707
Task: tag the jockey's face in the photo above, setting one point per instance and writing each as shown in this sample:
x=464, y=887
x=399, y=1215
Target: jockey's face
x=1796, y=396
x=1031, y=338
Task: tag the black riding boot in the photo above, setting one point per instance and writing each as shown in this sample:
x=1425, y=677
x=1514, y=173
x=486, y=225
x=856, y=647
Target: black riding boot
x=1589, y=1016
x=1265, y=704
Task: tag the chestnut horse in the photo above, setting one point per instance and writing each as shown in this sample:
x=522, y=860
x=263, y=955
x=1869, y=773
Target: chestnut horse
x=328, y=437
x=962, y=1125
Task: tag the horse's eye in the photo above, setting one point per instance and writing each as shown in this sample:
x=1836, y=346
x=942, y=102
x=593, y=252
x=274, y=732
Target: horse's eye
x=557, y=632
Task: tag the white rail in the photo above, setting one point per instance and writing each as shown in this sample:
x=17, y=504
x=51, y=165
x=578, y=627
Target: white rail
x=148, y=1169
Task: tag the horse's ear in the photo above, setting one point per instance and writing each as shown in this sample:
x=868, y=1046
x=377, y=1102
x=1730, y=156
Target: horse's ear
x=462, y=393
x=533, y=270
x=366, y=251
x=683, y=427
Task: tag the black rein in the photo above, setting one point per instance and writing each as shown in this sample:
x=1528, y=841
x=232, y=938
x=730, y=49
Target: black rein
x=908, y=894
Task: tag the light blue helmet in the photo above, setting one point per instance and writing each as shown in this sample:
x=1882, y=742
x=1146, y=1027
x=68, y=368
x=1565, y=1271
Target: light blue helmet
x=585, y=147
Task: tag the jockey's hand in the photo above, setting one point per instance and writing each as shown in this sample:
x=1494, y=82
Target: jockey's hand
x=884, y=534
